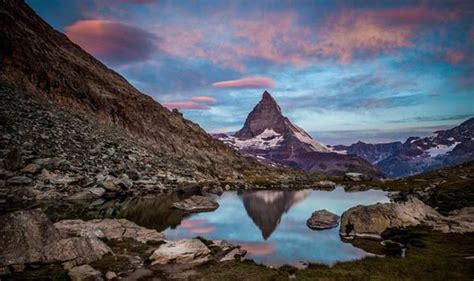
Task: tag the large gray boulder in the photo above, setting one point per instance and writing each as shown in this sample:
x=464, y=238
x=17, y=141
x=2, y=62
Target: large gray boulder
x=110, y=229
x=185, y=251
x=30, y=237
x=197, y=203
x=371, y=221
x=322, y=219
x=84, y=273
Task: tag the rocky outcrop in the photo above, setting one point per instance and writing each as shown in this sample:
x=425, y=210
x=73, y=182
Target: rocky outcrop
x=84, y=273
x=322, y=219
x=192, y=252
x=29, y=237
x=110, y=229
x=356, y=177
x=196, y=203
x=371, y=221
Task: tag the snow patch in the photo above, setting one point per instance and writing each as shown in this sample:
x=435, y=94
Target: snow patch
x=302, y=136
x=266, y=140
x=441, y=149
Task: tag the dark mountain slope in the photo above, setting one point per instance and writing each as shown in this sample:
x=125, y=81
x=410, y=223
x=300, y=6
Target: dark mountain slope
x=36, y=59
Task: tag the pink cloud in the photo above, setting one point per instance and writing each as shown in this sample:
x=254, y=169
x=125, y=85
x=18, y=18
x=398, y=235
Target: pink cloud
x=138, y=2
x=455, y=57
x=258, y=249
x=204, y=99
x=115, y=42
x=187, y=223
x=416, y=15
x=185, y=105
x=252, y=82
x=202, y=230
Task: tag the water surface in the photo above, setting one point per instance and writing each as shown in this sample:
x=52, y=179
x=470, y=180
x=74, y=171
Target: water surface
x=271, y=225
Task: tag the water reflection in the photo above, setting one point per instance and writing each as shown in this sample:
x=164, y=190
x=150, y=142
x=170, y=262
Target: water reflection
x=267, y=207
x=270, y=225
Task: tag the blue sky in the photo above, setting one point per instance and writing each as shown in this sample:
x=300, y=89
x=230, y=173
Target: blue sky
x=343, y=70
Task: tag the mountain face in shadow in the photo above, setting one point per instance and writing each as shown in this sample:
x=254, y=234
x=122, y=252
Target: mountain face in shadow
x=266, y=208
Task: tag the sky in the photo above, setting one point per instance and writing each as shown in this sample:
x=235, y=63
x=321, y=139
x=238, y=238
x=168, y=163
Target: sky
x=345, y=71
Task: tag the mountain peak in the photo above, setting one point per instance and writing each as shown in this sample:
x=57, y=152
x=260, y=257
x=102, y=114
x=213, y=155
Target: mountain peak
x=265, y=115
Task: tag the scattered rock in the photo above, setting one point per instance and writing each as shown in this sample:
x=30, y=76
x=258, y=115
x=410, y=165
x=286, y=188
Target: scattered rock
x=90, y=194
x=31, y=168
x=19, y=180
x=111, y=229
x=110, y=275
x=185, y=251
x=13, y=160
x=84, y=273
x=322, y=219
x=197, y=203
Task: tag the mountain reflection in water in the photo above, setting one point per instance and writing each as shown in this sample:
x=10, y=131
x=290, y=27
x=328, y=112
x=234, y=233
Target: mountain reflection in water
x=266, y=207
x=270, y=225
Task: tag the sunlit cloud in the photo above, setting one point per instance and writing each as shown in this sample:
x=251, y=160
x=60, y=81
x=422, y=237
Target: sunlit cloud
x=185, y=105
x=202, y=230
x=114, y=42
x=253, y=82
x=205, y=99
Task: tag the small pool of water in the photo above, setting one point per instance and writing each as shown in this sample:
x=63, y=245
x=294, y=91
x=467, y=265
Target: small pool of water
x=271, y=225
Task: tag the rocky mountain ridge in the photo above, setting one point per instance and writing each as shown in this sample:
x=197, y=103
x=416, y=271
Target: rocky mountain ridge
x=37, y=61
x=416, y=155
x=272, y=138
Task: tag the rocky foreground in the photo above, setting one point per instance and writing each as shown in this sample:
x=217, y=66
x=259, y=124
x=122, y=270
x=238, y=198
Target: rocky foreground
x=28, y=239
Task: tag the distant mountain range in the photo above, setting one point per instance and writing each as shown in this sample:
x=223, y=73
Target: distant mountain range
x=416, y=155
x=273, y=139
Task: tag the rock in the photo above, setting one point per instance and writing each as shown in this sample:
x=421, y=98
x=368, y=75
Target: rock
x=197, y=203
x=111, y=229
x=110, y=275
x=322, y=219
x=76, y=250
x=31, y=168
x=13, y=160
x=461, y=222
x=19, y=180
x=84, y=273
x=89, y=194
x=30, y=237
x=110, y=184
x=356, y=177
x=325, y=184
x=185, y=251
x=371, y=221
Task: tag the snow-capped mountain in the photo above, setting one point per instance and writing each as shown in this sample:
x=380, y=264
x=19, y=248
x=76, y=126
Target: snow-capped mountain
x=441, y=149
x=271, y=137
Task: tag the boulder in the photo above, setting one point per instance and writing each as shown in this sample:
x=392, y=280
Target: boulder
x=13, y=160
x=197, y=203
x=31, y=168
x=322, y=219
x=325, y=184
x=371, y=221
x=84, y=273
x=356, y=177
x=185, y=251
x=19, y=180
x=111, y=229
x=461, y=222
x=30, y=237
x=89, y=194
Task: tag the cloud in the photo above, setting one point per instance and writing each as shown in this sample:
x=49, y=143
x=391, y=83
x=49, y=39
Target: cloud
x=114, y=42
x=204, y=99
x=251, y=82
x=455, y=57
x=202, y=230
x=185, y=105
x=137, y=2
